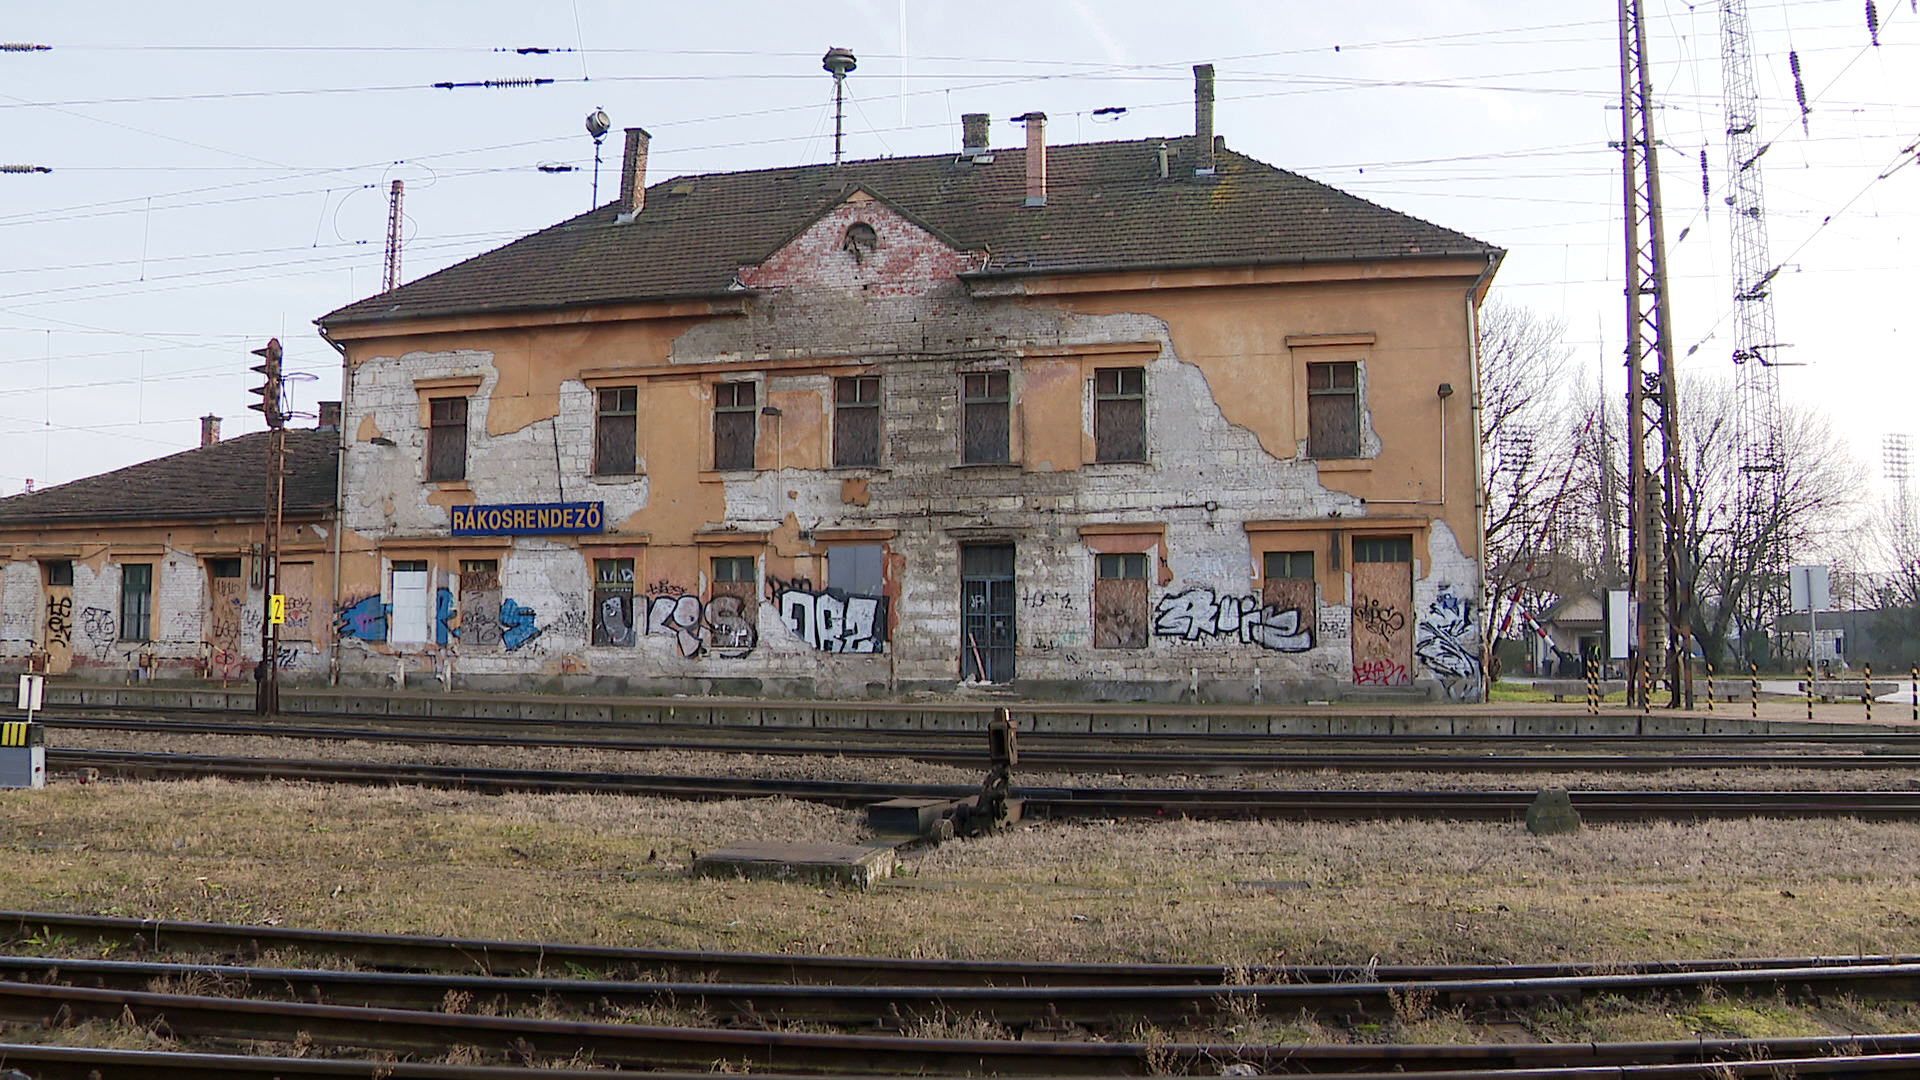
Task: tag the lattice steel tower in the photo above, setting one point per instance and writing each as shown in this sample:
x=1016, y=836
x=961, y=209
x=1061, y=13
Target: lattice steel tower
x=1659, y=570
x=1756, y=383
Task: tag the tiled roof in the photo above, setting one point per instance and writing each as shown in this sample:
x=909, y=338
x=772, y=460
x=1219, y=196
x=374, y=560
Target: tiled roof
x=227, y=479
x=1106, y=208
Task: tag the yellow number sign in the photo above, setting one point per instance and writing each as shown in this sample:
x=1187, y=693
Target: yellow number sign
x=279, y=610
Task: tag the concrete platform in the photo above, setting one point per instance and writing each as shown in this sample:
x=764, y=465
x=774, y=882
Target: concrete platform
x=856, y=865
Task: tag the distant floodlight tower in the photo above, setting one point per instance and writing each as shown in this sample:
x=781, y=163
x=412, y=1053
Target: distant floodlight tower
x=1894, y=466
x=598, y=124
x=395, y=195
x=839, y=61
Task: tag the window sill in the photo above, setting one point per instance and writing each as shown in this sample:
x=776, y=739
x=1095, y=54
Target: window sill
x=452, y=485
x=858, y=470
x=1343, y=464
x=617, y=478
x=987, y=468
x=716, y=476
x=1132, y=465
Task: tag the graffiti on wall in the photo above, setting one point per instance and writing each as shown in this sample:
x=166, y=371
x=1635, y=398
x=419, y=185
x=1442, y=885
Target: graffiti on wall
x=60, y=621
x=1199, y=613
x=101, y=629
x=508, y=624
x=831, y=620
x=1445, y=639
x=364, y=618
x=723, y=626
x=1380, y=620
x=516, y=624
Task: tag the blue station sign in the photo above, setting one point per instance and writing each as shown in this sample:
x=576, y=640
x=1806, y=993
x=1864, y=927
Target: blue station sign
x=529, y=519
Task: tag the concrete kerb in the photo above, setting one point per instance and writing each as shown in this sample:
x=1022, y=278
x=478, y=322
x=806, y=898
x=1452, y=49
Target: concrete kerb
x=787, y=717
x=1300, y=725
x=1421, y=725
x=588, y=712
x=453, y=708
x=1485, y=725
x=1238, y=725
x=1119, y=724
x=1174, y=725
x=1058, y=723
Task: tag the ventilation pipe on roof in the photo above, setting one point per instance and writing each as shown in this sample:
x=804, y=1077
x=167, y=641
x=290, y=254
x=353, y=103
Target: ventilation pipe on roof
x=633, y=176
x=1036, y=157
x=1203, y=118
x=973, y=134
x=209, y=430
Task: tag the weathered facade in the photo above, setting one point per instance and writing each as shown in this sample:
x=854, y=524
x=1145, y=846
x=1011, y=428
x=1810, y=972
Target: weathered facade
x=1136, y=420
x=157, y=570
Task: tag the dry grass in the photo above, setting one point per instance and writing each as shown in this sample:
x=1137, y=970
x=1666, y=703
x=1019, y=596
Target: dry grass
x=612, y=870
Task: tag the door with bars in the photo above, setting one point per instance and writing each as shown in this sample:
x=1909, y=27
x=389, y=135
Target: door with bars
x=988, y=630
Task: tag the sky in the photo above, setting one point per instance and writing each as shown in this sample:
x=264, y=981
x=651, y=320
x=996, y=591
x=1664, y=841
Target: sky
x=219, y=171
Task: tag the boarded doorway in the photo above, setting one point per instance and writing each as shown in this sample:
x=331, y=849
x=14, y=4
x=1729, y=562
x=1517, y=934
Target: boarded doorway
x=987, y=629
x=1383, y=610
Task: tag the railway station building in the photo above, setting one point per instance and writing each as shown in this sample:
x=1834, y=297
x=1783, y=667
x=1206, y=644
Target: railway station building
x=1134, y=420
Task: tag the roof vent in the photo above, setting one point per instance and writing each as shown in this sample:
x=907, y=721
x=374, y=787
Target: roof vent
x=1203, y=118
x=973, y=137
x=633, y=177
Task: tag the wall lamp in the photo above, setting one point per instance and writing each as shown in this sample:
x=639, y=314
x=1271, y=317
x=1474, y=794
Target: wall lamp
x=1446, y=390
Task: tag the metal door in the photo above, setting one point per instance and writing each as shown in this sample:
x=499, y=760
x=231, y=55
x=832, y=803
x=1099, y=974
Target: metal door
x=1383, y=610
x=987, y=627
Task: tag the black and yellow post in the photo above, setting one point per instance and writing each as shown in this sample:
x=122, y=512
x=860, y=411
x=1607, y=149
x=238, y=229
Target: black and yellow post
x=1914, y=673
x=1753, y=689
x=1867, y=698
x=1809, y=687
x=1593, y=686
x=1709, y=686
x=1646, y=687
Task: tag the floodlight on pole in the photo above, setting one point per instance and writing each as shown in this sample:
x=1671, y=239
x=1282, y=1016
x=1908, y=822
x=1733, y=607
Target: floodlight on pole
x=598, y=124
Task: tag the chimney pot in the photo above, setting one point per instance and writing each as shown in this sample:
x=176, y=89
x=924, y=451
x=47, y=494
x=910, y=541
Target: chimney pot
x=1203, y=117
x=209, y=430
x=633, y=176
x=973, y=133
x=329, y=416
x=1036, y=158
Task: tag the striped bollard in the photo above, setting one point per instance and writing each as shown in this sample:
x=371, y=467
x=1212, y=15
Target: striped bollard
x=1809, y=687
x=1867, y=674
x=1593, y=687
x=1646, y=687
x=1914, y=671
x=1753, y=688
x=1709, y=686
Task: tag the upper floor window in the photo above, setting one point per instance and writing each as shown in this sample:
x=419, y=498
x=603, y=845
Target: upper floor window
x=224, y=567
x=1333, y=410
x=59, y=571
x=856, y=421
x=615, y=431
x=136, y=601
x=986, y=426
x=734, y=419
x=1120, y=414
x=447, y=438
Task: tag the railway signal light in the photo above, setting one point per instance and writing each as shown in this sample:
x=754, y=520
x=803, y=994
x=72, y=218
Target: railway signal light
x=269, y=388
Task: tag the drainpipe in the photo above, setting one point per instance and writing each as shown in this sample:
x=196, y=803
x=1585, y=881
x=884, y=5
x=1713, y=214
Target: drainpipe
x=339, y=502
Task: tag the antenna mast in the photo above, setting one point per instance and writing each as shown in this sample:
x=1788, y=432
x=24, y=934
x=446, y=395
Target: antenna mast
x=1756, y=383
x=394, y=197
x=1660, y=572
x=839, y=61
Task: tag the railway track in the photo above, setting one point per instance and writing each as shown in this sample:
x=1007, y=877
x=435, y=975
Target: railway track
x=1313, y=805
x=1048, y=1005
x=1187, y=754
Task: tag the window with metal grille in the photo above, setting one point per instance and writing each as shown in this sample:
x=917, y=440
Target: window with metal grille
x=411, y=619
x=1287, y=582
x=616, y=431
x=613, y=602
x=733, y=601
x=984, y=401
x=1333, y=410
x=1383, y=549
x=136, y=601
x=59, y=571
x=1120, y=601
x=224, y=568
x=1120, y=414
x=447, y=439
x=734, y=417
x=856, y=421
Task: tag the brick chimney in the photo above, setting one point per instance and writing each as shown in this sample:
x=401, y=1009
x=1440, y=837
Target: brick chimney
x=1036, y=157
x=1203, y=118
x=209, y=430
x=633, y=176
x=329, y=416
x=973, y=134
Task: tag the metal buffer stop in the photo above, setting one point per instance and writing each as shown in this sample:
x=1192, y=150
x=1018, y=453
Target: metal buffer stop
x=976, y=815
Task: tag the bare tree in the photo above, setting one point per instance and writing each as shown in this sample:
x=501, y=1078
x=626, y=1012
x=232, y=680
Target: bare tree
x=1739, y=548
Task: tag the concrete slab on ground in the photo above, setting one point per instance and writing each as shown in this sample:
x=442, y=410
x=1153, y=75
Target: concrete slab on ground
x=857, y=865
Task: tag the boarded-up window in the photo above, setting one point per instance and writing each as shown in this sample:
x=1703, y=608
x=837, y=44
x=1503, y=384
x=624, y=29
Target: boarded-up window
x=733, y=425
x=1120, y=601
x=733, y=603
x=412, y=618
x=59, y=571
x=136, y=601
x=613, y=602
x=1333, y=410
x=1287, y=583
x=615, y=432
x=296, y=584
x=1120, y=414
x=983, y=399
x=224, y=568
x=447, y=439
x=856, y=569
x=856, y=421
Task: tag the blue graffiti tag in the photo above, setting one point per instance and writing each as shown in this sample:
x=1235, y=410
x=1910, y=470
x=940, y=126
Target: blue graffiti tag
x=443, y=613
x=516, y=624
x=365, y=619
